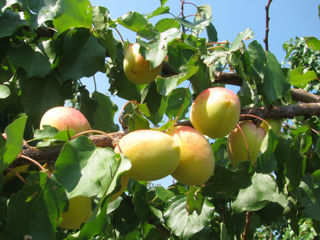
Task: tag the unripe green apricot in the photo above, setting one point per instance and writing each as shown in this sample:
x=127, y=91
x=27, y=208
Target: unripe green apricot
x=215, y=112
x=197, y=161
x=238, y=150
x=153, y=154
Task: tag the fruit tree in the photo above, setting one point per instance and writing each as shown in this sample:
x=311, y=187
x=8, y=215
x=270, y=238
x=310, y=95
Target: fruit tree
x=235, y=131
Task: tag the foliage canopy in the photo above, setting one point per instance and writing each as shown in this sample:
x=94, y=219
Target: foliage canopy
x=46, y=47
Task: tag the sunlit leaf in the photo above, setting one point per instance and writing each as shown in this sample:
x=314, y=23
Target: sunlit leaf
x=139, y=24
x=299, y=78
x=4, y=91
x=181, y=223
x=85, y=170
x=313, y=43
x=258, y=194
x=73, y=14
x=14, y=136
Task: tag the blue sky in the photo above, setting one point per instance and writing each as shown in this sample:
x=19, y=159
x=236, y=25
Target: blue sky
x=289, y=18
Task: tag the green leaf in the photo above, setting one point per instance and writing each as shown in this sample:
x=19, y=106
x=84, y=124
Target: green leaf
x=34, y=63
x=203, y=17
x=179, y=101
x=313, y=43
x=157, y=12
x=166, y=85
x=82, y=55
x=182, y=224
x=86, y=170
x=38, y=12
x=242, y=36
x=163, y=194
x=9, y=22
x=226, y=183
x=156, y=50
x=299, y=78
x=100, y=111
x=262, y=190
x=137, y=122
x=292, y=159
x=35, y=208
x=14, y=132
x=266, y=162
x=73, y=14
x=100, y=18
x=155, y=102
x=4, y=91
x=166, y=23
x=271, y=82
x=212, y=33
x=49, y=94
x=309, y=197
x=139, y=24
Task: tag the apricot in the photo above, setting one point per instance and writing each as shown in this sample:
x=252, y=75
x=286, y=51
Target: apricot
x=215, y=112
x=197, y=163
x=238, y=150
x=136, y=68
x=153, y=154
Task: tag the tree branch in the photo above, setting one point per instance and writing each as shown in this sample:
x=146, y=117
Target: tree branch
x=50, y=154
x=267, y=25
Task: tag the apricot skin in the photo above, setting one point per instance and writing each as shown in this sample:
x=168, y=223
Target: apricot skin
x=64, y=118
x=237, y=149
x=153, y=154
x=197, y=161
x=215, y=112
x=78, y=212
x=136, y=68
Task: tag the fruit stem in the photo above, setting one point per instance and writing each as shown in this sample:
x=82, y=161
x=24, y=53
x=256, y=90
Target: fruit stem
x=33, y=161
x=18, y=175
x=257, y=117
x=245, y=140
x=90, y=131
x=122, y=110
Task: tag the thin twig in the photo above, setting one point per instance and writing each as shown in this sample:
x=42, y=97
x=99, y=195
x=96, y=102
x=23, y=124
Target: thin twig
x=246, y=229
x=267, y=25
x=18, y=175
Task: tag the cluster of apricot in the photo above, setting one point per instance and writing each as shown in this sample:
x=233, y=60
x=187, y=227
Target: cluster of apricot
x=183, y=151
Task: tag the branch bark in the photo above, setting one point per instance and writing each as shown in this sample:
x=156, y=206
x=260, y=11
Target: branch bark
x=50, y=154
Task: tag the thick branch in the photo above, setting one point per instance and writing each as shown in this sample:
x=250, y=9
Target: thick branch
x=280, y=112
x=50, y=154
